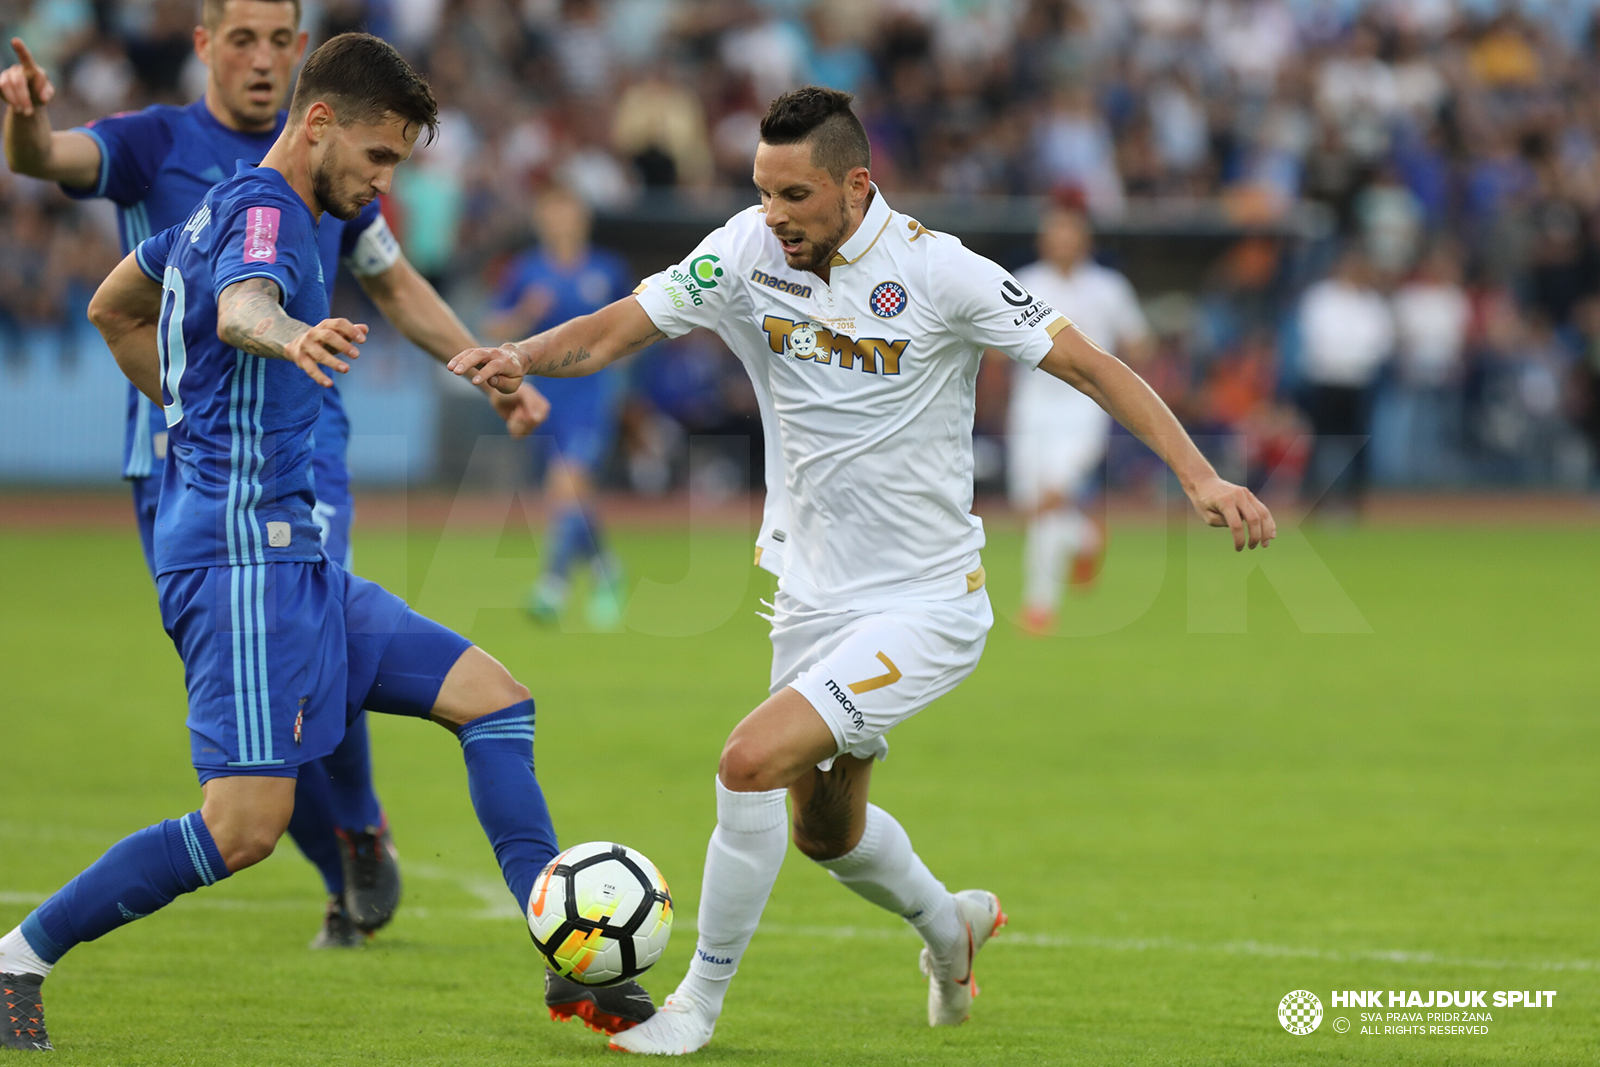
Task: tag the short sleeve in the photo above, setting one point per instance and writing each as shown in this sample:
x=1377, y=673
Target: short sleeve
x=984, y=305
x=368, y=247
x=151, y=253
x=693, y=293
x=266, y=239
x=132, y=146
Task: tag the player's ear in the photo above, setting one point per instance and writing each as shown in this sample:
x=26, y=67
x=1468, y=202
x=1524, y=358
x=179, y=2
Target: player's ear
x=318, y=120
x=202, y=44
x=857, y=184
x=300, y=46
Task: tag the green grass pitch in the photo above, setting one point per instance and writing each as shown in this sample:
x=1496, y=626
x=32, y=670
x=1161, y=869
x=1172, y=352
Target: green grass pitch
x=1184, y=824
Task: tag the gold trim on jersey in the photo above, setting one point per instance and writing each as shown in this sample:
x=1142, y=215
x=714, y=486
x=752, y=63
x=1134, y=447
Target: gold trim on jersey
x=641, y=287
x=917, y=230
x=1061, y=322
x=976, y=579
x=759, y=550
x=878, y=204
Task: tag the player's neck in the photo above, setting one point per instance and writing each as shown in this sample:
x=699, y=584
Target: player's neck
x=1066, y=267
x=857, y=217
x=233, y=121
x=292, y=158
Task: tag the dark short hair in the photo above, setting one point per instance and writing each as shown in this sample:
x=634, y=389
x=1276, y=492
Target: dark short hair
x=363, y=79
x=822, y=118
x=211, y=11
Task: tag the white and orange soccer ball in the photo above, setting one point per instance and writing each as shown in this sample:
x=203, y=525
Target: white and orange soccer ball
x=600, y=913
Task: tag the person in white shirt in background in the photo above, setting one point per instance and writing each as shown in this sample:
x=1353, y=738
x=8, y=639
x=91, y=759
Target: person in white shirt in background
x=1347, y=333
x=1056, y=435
x=1431, y=315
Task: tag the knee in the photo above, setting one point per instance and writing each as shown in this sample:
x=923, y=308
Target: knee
x=479, y=685
x=246, y=843
x=747, y=767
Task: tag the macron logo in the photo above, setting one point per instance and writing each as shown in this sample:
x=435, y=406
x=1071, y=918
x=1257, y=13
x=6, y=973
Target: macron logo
x=261, y=235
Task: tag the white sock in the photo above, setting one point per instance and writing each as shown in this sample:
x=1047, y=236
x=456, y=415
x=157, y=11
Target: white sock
x=1050, y=539
x=885, y=869
x=18, y=957
x=742, y=862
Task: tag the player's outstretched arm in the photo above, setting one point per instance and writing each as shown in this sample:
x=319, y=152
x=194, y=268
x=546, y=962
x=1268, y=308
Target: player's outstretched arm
x=1095, y=372
x=577, y=347
x=250, y=317
x=126, y=309
x=32, y=148
x=414, y=306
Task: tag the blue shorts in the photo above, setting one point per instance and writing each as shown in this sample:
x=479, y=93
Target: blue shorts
x=582, y=422
x=146, y=495
x=279, y=657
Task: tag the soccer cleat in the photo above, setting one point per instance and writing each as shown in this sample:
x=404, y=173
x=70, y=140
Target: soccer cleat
x=949, y=998
x=546, y=599
x=605, y=602
x=371, y=876
x=23, y=1017
x=337, y=929
x=1037, y=621
x=679, y=1028
x=607, y=1009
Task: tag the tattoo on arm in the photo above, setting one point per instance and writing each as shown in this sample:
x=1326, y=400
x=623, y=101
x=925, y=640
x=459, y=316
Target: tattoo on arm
x=250, y=317
x=646, y=341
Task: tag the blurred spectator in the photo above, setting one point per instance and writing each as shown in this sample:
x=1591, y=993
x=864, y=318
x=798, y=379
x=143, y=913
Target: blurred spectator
x=1348, y=334
x=1432, y=315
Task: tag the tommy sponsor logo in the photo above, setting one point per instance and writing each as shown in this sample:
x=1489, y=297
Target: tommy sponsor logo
x=772, y=281
x=721, y=961
x=261, y=234
x=807, y=340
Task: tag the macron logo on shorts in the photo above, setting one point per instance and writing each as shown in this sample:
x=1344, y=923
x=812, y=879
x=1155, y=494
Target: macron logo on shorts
x=261, y=234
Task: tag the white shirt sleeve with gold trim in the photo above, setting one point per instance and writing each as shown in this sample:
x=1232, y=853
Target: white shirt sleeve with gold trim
x=697, y=291
x=984, y=305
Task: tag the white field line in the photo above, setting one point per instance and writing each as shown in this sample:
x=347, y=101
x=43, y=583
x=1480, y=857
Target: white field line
x=496, y=908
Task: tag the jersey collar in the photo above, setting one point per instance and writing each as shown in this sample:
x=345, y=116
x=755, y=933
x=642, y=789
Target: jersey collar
x=867, y=234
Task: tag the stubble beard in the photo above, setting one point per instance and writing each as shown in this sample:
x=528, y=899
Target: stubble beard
x=325, y=190
x=824, y=247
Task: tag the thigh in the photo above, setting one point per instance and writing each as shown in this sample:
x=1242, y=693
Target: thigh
x=398, y=658
x=264, y=663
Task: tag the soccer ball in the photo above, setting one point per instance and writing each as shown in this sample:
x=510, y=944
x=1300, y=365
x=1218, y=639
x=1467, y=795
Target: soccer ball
x=600, y=913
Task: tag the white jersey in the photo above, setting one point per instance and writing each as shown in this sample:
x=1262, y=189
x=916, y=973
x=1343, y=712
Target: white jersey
x=866, y=385
x=1102, y=305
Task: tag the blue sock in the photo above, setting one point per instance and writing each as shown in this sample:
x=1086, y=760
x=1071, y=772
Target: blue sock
x=142, y=873
x=312, y=824
x=569, y=538
x=498, y=749
x=349, y=767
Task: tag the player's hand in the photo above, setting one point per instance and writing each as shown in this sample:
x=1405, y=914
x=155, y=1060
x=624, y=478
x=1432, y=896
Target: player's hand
x=524, y=410
x=25, y=85
x=322, y=345
x=500, y=367
x=1222, y=503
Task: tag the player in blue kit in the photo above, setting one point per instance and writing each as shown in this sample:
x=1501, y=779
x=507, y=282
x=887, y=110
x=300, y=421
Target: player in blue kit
x=281, y=646
x=561, y=279
x=156, y=165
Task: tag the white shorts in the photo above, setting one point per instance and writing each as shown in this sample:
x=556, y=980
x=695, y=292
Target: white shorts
x=867, y=671
x=1062, y=462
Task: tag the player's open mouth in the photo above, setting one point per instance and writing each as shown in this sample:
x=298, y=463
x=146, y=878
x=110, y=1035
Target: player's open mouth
x=263, y=89
x=790, y=247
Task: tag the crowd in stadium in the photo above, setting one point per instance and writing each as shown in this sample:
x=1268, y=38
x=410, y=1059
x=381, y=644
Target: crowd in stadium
x=1456, y=144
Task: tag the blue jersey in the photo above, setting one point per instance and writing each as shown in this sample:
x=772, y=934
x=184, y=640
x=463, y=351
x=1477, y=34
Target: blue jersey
x=156, y=165
x=237, y=489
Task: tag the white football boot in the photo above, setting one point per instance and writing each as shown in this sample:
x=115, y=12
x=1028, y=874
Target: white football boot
x=949, y=997
x=679, y=1027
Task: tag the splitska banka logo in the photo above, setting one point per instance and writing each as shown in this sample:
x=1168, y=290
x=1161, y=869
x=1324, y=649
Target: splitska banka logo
x=807, y=340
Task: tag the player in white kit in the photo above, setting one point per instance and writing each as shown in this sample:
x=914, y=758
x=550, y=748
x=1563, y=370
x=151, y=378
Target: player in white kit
x=862, y=331
x=1057, y=435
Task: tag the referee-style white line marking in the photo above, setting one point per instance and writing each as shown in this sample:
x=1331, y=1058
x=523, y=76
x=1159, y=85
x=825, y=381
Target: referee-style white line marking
x=498, y=908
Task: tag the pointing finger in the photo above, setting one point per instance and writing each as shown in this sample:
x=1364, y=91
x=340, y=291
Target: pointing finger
x=23, y=54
